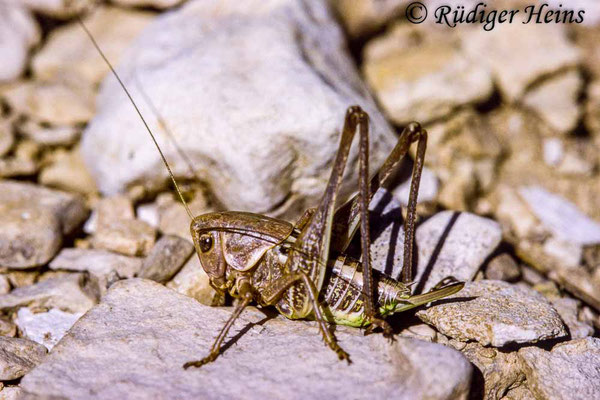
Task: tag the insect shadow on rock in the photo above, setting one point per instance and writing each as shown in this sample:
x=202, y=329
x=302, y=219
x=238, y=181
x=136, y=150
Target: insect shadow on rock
x=302, y=269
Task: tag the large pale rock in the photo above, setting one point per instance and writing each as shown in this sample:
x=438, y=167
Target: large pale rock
x=66, y=293
x=495, y=313
x=503, y=49
x=69, y=52
x=142, y=323
x=571, y=369
x=18, y=357
x=68, y=208
x=45, y=328
x=260, y=123
x=422, y=79
x=18, y=32
x=561, y=217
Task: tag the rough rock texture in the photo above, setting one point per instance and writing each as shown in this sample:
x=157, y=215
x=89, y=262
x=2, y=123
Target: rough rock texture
x=362, y=17
x=418, y=79
x=68, y=52
x=570, y=369
x=131, y=237
x=166, y=258
x=568, y=309
x=18, y=357
x=502, y=268
x=67, y=293
x=18, y=32
x=68, y=208
x=103, y=265
x=495, y=313
x=167, y=329
x=211, y=77
x=10, y=393
x=67, y=171
x=45, y=328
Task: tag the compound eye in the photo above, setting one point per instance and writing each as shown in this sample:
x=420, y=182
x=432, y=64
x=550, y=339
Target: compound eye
x=206, y=243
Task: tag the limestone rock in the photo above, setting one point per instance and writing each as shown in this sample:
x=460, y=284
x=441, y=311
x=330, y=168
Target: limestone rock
x=556, y=101
x=131, y=237
x=49, y=135
x=103, y=265
x=561, y=217
x=167, y=329
x=502, y=268
x=226, y=114
x=422, y=79
x=159, y=4
x=18, y=357
x=66, y=293
x=519, y=393
x=68, y=208
x=568, y=309
x=10, y=393
x=68, y=52
x=7, y=328
x=495, y=313
x=192, y=281
x=4, y=285
x=166, y=258
x=67, y=171
x=570, y=368
x=29, y=237
x=57, y=8
x=7, y=137
x=503, y=49
x=45, y=328
x=54, y=103
x=18, y=33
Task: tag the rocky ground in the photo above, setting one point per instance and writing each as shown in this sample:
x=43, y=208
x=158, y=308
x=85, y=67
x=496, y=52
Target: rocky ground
x=100, y=293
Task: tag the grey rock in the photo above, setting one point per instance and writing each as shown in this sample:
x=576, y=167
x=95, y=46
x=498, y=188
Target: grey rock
x=568, y=309
x=70, y=209
x=296, y=138
x=66, y=293
x=18, y=357
x=166, y=258
x=502, y=268
x=560, y=216
x=495, y=313
x=141, y=323
x=104, y=266
x=45, y=328
x=29, y=237
x=192, y=281
x=448, y=244
x=571, y=369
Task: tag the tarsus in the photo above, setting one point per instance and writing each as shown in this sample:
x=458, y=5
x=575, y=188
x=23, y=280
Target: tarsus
x=162, y=156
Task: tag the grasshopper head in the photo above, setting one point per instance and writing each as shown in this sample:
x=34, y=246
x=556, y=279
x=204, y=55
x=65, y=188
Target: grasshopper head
x=234, y=239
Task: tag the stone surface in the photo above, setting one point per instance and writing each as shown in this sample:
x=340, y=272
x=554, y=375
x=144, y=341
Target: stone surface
x=7, y=328
x=29, y=237
x=503, y=268
x=158, y=329
x=67, y=293
x=49, y=135
x=131, y=237
x=209, y=59
x=18, y=33
x=192, y=281
x=67, y=171
x=422, y=79
x=166, y=258
x=68, y=52
x=102, y=265
x=56, y=103
x=495, y=313
x=18, y=357
x=568, y=309
x=519, y=393
x=545, y=46
x=361, y=17
x=159, y=4
x=570, y=368
x=57, y=8
x=10, y=393
x=4, y=284
x=560, y=216
x=7, y=136
x=45, y=328
x=173, y=219
x=68, y=208
x=556, y=101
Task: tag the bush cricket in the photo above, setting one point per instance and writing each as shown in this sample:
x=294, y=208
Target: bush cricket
x=302, y=269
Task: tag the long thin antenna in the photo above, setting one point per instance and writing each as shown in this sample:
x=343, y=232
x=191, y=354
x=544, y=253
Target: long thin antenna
x=162, y=156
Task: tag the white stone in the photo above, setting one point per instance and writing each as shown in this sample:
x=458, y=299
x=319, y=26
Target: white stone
x=554, y=151
x=560, y=216
x=18, y=33
x=137, y=340
x=567, y=253
x=428, y=188
x=45, y=328
x=260, y=122
x=192, y=281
